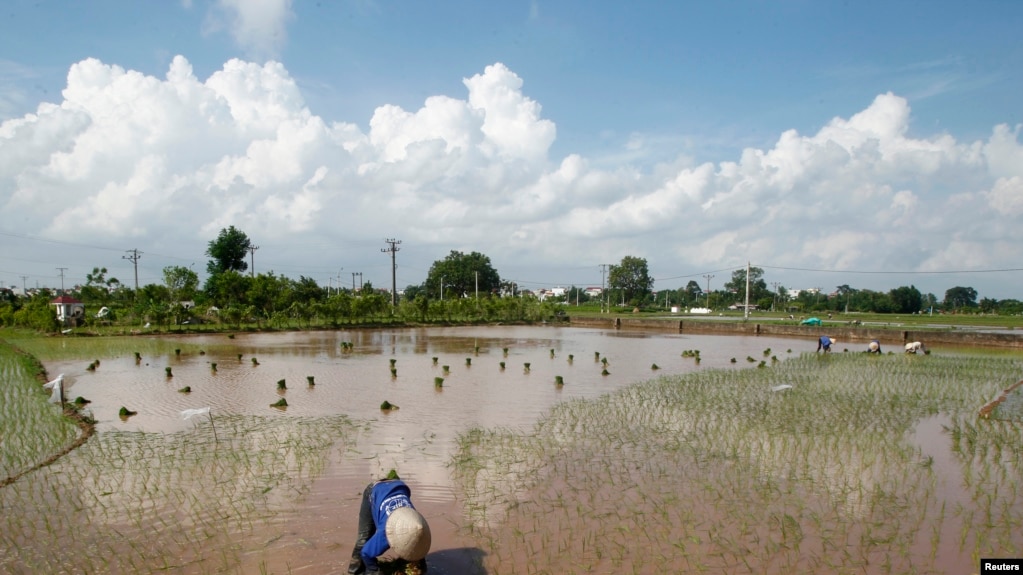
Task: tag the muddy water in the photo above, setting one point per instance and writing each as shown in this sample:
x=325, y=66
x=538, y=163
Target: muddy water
x=418, y=438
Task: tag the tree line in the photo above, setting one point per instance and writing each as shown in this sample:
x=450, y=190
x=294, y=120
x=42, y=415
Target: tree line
x=459, y=287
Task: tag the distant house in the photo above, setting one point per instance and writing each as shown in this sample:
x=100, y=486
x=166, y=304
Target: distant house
x=69, y=310
x=594, y=291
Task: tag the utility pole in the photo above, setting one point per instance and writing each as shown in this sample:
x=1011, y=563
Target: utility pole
x=775, y=286
x=393, y=249
x=353, y=282
x=708, y=277
x=252, y=260
x=24, y=290
x=61, y=280
x=603, y=294
x=133, y=256
x=339, y=270
x=745, y=315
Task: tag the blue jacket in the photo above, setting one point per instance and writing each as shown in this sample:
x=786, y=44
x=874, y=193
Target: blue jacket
x=385, y=497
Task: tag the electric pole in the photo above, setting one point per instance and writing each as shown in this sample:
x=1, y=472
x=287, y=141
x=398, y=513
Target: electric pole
x=252, y=260
x=603, y=295
x=708, y=277
x=24, y=290
x=394, y=268
x=61, y=280
x=745, y=315
x=775, y=286
x=133, y=256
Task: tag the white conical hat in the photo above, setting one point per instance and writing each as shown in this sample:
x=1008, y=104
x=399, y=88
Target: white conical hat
x=408, y=534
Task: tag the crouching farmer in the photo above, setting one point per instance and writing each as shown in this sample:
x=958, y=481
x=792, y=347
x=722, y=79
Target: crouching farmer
x=915, y=347
x=389, y=522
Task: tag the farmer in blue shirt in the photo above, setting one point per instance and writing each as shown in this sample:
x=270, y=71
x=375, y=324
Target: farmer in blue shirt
x=388, y=521
x=825, y=343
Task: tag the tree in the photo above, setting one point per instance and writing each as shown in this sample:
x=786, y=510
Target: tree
x=693, y=292
x=906, y=299
x=181, y=281
x=632, y=278
x=228, y=251
x=97, y=287
x=757, y=286
x=459, y=273
x=959, y=297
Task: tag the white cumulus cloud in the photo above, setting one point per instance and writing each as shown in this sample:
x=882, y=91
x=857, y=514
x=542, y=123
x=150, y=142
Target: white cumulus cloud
x=136, y=160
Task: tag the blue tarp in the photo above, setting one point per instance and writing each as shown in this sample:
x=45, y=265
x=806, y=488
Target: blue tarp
x=810, y=321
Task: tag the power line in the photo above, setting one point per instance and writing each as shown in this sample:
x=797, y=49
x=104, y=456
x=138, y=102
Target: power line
x=895, y=272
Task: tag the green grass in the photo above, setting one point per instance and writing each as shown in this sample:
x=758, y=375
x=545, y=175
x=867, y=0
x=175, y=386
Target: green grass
x=31, y=429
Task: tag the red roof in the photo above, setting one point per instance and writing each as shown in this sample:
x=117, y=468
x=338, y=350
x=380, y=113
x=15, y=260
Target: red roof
x=66, y=299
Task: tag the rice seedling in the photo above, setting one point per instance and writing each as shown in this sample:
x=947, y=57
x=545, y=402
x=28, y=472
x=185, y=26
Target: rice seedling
x=558, y=380
x=468, y=361
x=526, y=367
x=168, y=372
x=387, y=406
x=280, y=403
x=655, y=367
x=311, y=380
x=213, y=367
x=186, y=389
x=712, y=471
x=438, y=382
x=125, y=412
x=393, y=362
x=282, y=384
x=255, y=362
x=434, y=361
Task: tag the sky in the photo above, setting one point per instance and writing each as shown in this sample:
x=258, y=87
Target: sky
x=868, y=144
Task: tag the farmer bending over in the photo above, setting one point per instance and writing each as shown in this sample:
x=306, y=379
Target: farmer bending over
x=915, y=347
x=388, y=521
x=825, y=343
x=874, y=346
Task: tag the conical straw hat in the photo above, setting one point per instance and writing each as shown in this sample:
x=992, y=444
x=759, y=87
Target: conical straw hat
x=408, y=534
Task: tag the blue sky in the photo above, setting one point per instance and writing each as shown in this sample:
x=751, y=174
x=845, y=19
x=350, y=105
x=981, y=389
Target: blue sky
x=873, y=144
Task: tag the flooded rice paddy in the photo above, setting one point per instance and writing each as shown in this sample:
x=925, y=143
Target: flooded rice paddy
x=869, y=464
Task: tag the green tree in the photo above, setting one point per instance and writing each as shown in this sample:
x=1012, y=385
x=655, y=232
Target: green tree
x=459, y=273
x=97, y=287
x=181, y=282
x=906, y=299
x=757, y=286
x=306, y=290
x=227, y=288
x=631, y=277
x=960, y=297
x=228, y=251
